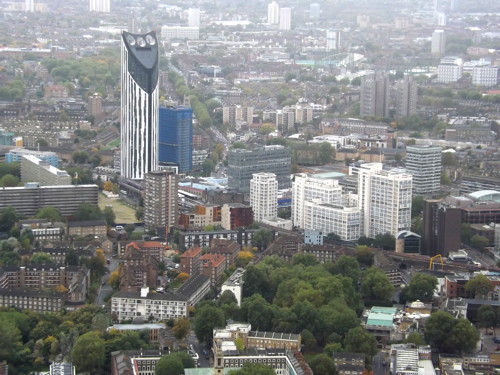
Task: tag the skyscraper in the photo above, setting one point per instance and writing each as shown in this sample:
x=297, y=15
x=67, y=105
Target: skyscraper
x=424, y=164
x=194, y=17
x=333, y=40
x=375, y=95
x=176, y=138
x=161, y=207
x=273, y=13
x=438, y=44
x=100, y=6
x=139, y=104
x=264, y=196
x=407, y=94
x=384, y=199
x=29, y=5
x=285, y=21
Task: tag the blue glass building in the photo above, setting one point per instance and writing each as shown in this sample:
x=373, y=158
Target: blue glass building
x=176, y=137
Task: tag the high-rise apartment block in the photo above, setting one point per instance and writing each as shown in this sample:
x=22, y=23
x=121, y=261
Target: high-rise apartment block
x=450, y=69
x=176, y=138
x=242, y=164
x=29, y=5
x=193, y=15
x=34, y=169
x=438, y=44
x=161, y=202
x=264, y=196
x=273, y=13
x=139, y=104
x=95, y=105
x=232, y=114
x=306, y=188
x=333, y=40
x=486, y=76
x=407, y=95
x=424, y=164
x=16, y=156
x=100, y=6
x=385, y=199
x=442, y=223
x=375, y=95
x=180, y=33
x=285, y=22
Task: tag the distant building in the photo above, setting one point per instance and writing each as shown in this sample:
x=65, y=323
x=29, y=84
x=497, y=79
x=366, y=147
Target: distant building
x=161, y=201
x=235, y=285
x=424, y=164
x=441, y=223
x=242, y=164
x=180, y=33
x=213, y=266
x=190, y=261
x=349, y=363
x=203, y=238
x=486, y=76
x=16, y=156
x=29, y=199
x=273, y=13
x=195, y=288
x=264, y=196
x=232, y=114
x=314, y=10
x=285, y=22
x=36, y=300
x=408, y=242
x=438, y=44
x=34, y=169
x=61, y=368
x=407, y=96
x=137, y=362
x=375, y=95
x=100, y=6
x=313, y=237
x=333, y=40
x=236, y=215
x=228, y=248
x=95, y=105
x=450, y=69
x=94, y=228
x=176, y=138
x=193, y=15
x=29, y=5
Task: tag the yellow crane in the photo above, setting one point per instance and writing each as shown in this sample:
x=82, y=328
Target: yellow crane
x=431, y=261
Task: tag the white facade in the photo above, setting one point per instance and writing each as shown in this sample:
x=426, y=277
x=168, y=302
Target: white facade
x=128, y=305
x=333, y=40
x=193, y=15
x=273, y=13
x=29, y=5
x=450, y=69
x=180, y=32
x=99, y=6
x=285, y=22
x=384, y=199
x=343, y=221
x=139, y=104
x=264, y=196
x=305, y=188
x=485, y=76
x=438, y=44
x=424, y=164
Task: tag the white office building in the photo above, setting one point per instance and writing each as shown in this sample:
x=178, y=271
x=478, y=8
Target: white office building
x=264, y=196
x=438, y=43
x=332, y=218
x=273, y=13
x=139, y=104
x=306, y=188
x=29, y=5
x=103, y=6
x=450, y=69
x=384, y=199
x=193, y=16
x=485, y=76
x=333, y=40
x=423, y=162
x=180, y=33
x=285, y=22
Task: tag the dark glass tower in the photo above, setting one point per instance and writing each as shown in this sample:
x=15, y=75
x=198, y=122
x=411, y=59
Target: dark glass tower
x=139, y=104
x=176, y=137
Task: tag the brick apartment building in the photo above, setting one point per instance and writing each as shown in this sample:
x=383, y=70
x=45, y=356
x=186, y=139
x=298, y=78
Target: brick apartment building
x=229, y=249
x=139, y=268
x=190, y=261
x=213, y=266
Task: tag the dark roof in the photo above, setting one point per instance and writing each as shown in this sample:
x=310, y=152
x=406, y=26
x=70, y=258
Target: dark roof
x=348, y=356
x=274, y=335
x=349, y=367
x=31, y=293
x=167, y=296
x=255, y=352
x=88, y=223
x=192, y=285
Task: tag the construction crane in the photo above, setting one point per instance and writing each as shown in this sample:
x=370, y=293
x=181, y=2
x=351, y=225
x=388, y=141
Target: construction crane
x=431, y=261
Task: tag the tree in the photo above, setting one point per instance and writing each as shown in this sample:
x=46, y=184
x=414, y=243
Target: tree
x=358, y=340
x=262, y=238
x=139, y=213
x=347, y=266
x=253, y=369
x=421, y=287
x=322, y=364
x=304, y=259
x=208, y=167
x=109, y=215
x=385, y=241
x=309, y=341
x=479, y=242
x=364, y=255
x=87, y=211
x=90, y=342
x=464, y=336
x=417, y=205
x=174, y=364
x=9, y=180
x=479, y=286
x=415, y=338
x=206, y=319
x=486, y=316
x=50, y=213
x=181, y=328
x=41, y=258
x=243, y=258
x=376, y=286
x=466, y=233
x=8, y=217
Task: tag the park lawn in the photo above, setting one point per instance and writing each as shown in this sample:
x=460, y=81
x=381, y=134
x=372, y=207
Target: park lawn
x=124, y=214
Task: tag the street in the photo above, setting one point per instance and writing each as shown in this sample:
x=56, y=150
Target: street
x=104, y=287
x=379, y=365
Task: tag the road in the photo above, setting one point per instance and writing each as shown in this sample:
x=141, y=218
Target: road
x=105, y=288
x=378, y=364
x=201, y=349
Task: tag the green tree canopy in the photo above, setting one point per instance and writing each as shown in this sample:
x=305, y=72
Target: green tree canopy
x=479, y=242
x=376, y=287
x=486, y=316
x=9, y=180
x=87, y=211
x=253, y=369
x=358, y=340
x=8, y=217
x=322, y=364
x=109, y=215
x=88, y=353
x=41, y=258
x=479, y=286
x=181, y=328
x=206, y=319
x=50, y=213
x=421, y=287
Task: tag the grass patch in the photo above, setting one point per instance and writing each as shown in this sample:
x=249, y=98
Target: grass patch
x=124, y=213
